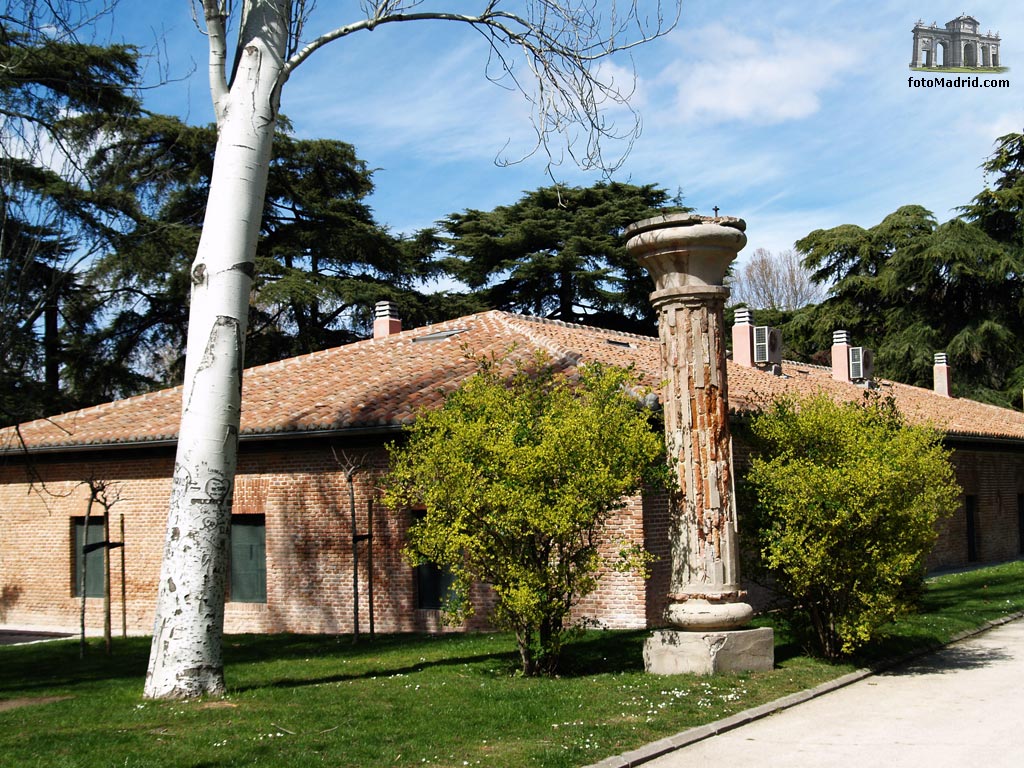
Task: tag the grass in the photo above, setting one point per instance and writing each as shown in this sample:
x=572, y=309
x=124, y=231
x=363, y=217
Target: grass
x=415, y=700
x=953, y=603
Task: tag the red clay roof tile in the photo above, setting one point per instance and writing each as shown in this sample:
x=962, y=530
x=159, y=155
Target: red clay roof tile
x=381, y=383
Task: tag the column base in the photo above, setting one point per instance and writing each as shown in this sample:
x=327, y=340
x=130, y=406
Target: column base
x=699, y=615
x=675, y=652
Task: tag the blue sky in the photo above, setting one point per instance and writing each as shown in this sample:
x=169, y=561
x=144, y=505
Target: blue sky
x=792, y=115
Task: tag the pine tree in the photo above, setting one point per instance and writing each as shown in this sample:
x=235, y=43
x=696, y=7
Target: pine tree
x=58, y=98
x=559, y=252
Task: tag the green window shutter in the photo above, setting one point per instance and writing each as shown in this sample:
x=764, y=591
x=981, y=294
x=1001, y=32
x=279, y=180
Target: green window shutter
x=248, y=559
x=94, y=559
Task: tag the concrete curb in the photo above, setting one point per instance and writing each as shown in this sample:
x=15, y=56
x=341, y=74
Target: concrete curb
x=685, y=738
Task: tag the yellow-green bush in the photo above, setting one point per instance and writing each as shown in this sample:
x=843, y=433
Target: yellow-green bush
x=518, y=472
x=844, y=502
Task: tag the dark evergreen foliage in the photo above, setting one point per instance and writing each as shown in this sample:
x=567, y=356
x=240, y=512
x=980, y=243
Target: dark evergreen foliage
x=559, y=252
x=909, y=287
x=58, y=98
x=322, y=260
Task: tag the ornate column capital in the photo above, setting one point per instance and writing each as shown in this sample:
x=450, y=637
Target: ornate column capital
x=684, y=251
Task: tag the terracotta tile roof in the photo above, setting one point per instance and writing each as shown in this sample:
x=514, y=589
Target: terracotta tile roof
x=382, y=383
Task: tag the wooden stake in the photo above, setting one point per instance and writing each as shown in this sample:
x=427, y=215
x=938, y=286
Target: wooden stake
x=106, y=581
x=85, y=570
x=124, y=591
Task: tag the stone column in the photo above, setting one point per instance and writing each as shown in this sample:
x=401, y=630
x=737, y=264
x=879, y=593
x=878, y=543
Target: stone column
x=687, y=256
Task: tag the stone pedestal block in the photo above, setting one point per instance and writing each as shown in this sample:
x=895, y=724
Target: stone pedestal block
x=677, y=652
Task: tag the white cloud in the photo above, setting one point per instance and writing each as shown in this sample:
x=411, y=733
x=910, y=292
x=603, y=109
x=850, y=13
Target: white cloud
x=796, y=118
x=762, y=81
x=622, y=80
x=434, y=104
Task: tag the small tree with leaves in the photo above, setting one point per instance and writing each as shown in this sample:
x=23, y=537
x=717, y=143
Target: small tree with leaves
x=845, y=498
x=518, y=474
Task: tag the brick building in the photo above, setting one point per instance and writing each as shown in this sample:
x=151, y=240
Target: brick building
x=306, y=417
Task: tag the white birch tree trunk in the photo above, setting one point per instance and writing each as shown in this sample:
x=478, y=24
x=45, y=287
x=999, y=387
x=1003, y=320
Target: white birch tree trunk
x=185, y=657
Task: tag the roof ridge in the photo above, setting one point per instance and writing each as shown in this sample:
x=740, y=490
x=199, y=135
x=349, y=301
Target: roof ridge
x=98, y=408
x=405, y=333
x=372, y=383
x=807, y=365
x=508, y=319
x=575, y=326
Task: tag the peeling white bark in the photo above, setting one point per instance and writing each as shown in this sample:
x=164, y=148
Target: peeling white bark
x=185, y=657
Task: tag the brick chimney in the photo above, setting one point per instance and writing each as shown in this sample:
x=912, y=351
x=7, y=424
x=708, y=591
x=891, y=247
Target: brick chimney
x=943, y=375
x=841, y=355
x=743, y=338
x=385, y=320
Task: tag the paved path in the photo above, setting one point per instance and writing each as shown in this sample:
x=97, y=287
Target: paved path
x=961, y=706
x=19, y=637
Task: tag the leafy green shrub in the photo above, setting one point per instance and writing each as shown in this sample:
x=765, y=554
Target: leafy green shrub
x=845, y=500
x=518, y=473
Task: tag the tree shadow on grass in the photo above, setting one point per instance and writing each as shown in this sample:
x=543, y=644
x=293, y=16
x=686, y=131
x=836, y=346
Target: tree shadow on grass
x=886, y=650
x=385, y=656
x=57, y=664
x=384, y=671
x=969, y=591
x=604, y=652
x=596, y=652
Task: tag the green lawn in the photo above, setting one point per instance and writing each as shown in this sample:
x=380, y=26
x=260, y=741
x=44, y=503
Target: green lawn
x=413, y=700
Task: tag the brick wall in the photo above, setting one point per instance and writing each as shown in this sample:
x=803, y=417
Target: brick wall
x=995, y=479
x=36, y=539
x=304, y=497
x=621, y=599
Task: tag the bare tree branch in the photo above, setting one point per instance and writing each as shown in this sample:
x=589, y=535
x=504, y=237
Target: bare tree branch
x=561, y=44
x=775, y=281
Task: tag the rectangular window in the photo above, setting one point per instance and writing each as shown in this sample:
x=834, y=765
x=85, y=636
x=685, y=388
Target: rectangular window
x=971, y=512
x=432, y=581
x=93, y=558
x=248, y=559
x=432, y=585
x=1020, y=523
